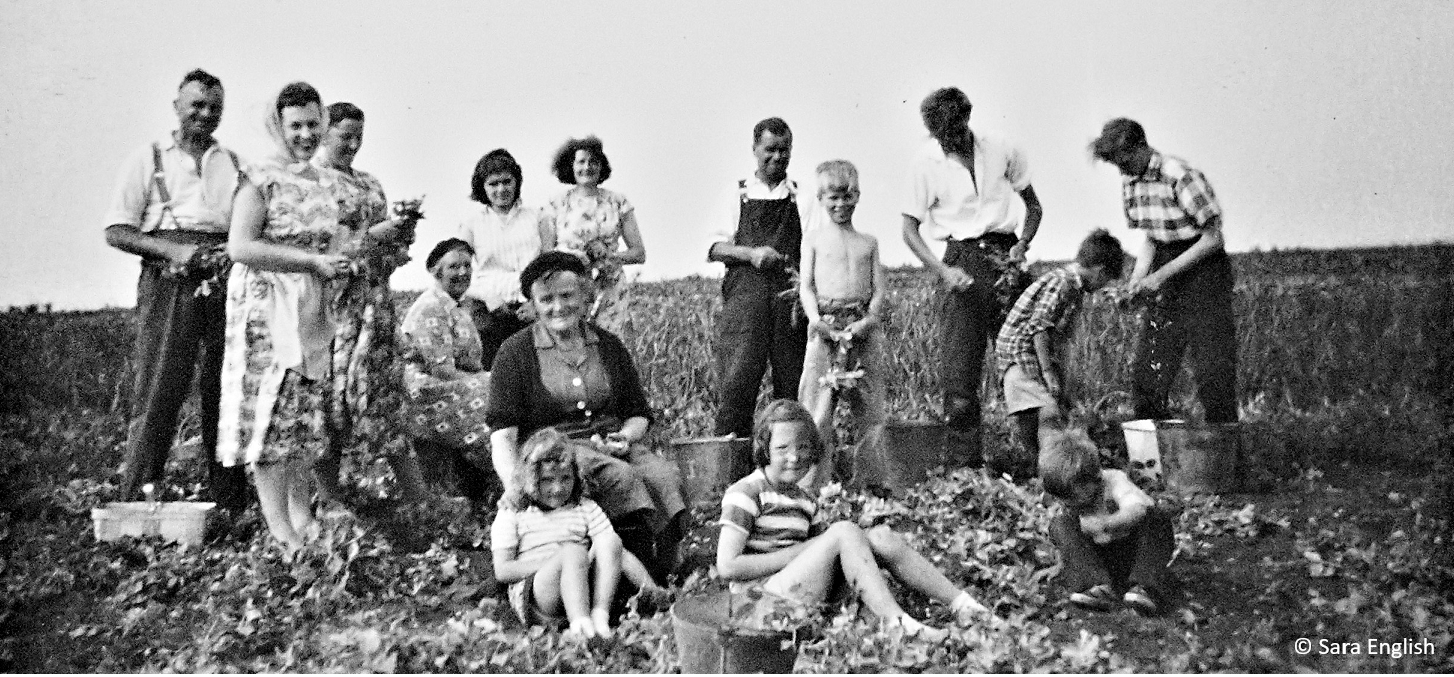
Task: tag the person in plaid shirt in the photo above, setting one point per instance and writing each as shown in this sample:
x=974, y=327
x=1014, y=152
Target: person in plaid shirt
x=1183, y=267
x=1037, y=328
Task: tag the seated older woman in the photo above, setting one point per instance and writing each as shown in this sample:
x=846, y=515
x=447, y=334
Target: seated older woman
x=445, y=382
x=567, y=373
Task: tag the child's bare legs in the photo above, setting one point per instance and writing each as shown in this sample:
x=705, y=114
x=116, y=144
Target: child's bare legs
x=844, y=546
x=273, y=488
x=607, y=560
x=917, y=572
x=561, y=585
x=636, y=572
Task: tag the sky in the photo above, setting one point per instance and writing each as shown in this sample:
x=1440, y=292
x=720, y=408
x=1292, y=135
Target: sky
x=1319, y=124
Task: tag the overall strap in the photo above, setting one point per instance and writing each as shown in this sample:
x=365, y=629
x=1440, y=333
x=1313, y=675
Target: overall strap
x=742, y=190
x=158, y=178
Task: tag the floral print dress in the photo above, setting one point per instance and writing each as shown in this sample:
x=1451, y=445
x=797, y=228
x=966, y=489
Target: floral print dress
x=438, y=332
x=280, y=327
x=590, y=226
x=366, y=392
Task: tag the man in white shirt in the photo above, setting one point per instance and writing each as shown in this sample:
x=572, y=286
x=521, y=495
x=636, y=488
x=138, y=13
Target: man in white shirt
x=172, y=207
x=761, y=248
x=973, y=192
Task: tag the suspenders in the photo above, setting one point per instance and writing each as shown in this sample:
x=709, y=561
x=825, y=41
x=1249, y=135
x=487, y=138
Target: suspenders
x=159, y=181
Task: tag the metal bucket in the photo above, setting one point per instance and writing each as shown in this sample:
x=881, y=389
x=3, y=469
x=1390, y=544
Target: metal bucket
x=709, y=642
x=913, y=449
x=709, y=465
x=1187, y=457
x=182, y=521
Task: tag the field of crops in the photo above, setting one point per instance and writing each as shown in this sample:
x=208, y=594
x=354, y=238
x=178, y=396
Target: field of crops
x=1345, y=372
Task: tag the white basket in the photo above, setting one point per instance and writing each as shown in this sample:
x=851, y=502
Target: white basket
x=182, y=521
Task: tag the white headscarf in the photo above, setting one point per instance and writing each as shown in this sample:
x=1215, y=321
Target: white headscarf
x=273, y=122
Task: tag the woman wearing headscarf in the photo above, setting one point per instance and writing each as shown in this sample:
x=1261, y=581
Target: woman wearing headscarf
x=365, y=395
x=283, y=240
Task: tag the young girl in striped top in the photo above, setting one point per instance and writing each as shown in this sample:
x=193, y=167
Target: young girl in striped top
x=554, y=547
x=773, y=537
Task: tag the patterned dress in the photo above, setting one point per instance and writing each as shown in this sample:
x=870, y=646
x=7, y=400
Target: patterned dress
x=365, y=395
x=438, y=332
x=280, y=328
x=590, y=226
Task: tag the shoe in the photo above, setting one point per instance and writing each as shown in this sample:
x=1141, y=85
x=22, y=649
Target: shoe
x=1097, y=598
x=1139, y=599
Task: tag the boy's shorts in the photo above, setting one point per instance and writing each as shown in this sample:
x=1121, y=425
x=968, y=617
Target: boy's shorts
x=1023, y=393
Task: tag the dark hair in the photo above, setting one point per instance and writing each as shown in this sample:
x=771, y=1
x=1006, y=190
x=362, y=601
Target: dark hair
x=200, y=77
x=297, y=94
x=1117, y=135
x=445, y=247
x=782, y=411
x=945, y=112
x=544, y=447
x=777, y=126
x=342, y=110
x=1067, y=459
x=494, y=162
x=1101, y=248
x=550, y=263
x=565, y=157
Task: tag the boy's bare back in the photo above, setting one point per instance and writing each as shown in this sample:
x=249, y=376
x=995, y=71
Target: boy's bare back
x=843, y=262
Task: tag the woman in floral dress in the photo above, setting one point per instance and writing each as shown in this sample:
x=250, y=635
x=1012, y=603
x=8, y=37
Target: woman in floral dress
x=365, y=395
x=592, y=222
x=448, y=387
x=276, y=360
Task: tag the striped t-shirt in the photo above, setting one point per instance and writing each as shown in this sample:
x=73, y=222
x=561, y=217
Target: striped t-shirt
x=532, y=531
x=773, y=517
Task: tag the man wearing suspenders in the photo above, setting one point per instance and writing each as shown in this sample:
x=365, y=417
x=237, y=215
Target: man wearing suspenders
x=756, y=326
x=172, y=207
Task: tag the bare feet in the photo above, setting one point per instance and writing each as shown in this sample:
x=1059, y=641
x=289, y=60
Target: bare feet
x=601, y=618
x=913, y=628
x=582, y=627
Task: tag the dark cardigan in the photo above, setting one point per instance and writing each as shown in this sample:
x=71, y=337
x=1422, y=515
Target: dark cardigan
x=518, y=398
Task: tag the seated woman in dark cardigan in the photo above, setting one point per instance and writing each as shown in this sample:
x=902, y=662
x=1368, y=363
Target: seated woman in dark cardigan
x=567, y=373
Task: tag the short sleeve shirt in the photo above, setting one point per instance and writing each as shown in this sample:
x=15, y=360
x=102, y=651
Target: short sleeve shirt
x=1171, y=201
x=1047, y=305
x=535, y=532
x=773, y=517
x=504, y=244
x=201, y=195
x=951, y=203
x=582, y=219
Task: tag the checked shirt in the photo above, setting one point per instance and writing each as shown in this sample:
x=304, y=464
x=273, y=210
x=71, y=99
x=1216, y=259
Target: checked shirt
x=1046, y=305
x=1170, y=201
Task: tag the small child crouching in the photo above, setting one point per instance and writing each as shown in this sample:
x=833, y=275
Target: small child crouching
x=1114, y=542
x=555, y=548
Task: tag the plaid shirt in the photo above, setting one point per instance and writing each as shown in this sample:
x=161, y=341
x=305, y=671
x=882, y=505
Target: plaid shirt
x=1048, y=305
x=1170, y=201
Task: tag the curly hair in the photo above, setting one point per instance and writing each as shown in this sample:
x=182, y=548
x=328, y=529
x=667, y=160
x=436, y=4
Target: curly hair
x=565, y=157
x=546, y=447
x=782, y=411
x=497, y=161
x=1117, y=135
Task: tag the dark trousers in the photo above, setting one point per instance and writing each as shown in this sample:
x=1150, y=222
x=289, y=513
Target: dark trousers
x=1194, y=315
x=1140, y=558
x=494, y=326
x=755, y=329
x=441, y=461
x=969, y=321
x=174, y=326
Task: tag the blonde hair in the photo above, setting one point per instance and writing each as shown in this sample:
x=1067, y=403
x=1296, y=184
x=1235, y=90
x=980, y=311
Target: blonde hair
x=1068, y=459
x=835, y=173
x=545, y=447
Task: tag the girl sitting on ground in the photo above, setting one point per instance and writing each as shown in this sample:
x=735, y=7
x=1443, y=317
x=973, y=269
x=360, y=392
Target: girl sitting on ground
x=554, y=547
x=774, y=539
